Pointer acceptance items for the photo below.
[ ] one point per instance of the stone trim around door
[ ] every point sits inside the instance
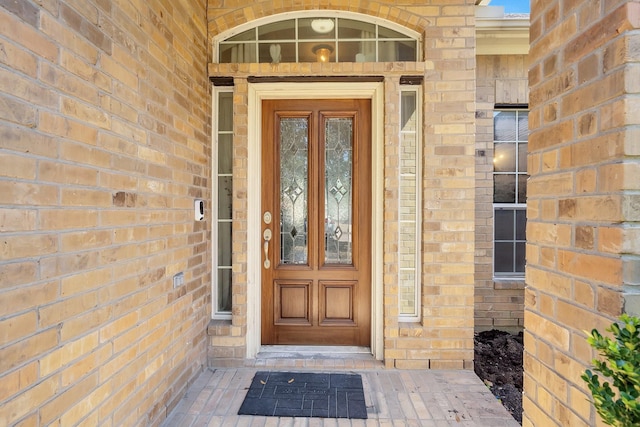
(313, 90)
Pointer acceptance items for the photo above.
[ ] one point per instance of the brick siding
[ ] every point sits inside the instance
(501, 79)
(444, 337)
(104, 143)
(582, 229)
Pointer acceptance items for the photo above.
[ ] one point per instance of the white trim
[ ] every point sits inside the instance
(500, 34)
(318, 90)
(502, 41)
(215, 106)
(506, 36)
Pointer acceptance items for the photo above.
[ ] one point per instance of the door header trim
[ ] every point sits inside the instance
(311, 79)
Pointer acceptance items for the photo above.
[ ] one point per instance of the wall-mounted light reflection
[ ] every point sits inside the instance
(323, 52)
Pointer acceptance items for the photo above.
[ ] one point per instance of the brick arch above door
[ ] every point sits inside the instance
(416, 17)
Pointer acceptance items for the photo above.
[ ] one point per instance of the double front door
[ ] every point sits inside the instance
(316, 222)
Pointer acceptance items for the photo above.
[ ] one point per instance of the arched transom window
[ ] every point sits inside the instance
(322, 37)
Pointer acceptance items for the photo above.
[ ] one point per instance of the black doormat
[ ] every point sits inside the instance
(300, 394)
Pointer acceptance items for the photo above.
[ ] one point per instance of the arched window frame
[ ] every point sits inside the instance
(409, 35)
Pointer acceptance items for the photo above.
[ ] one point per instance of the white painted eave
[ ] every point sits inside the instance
(498, 33)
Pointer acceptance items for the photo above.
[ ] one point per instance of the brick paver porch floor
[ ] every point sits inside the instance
(412, 398)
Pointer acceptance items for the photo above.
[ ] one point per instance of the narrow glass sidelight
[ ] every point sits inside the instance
(294, 190)
(338, 191)
(409, 202)
(222, 217)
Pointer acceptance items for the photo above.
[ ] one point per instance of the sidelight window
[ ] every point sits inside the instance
(409, 204)
(223, 195)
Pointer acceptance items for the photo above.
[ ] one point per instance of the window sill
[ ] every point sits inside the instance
(219, 327)
(508, 283)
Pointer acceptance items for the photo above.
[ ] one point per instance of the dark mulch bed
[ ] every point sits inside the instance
(498, 362)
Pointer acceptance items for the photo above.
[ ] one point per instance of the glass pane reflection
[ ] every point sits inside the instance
(316, 28)
(277, 52)
(504, 159)
(282, 30)
(504, 257)
(225, 153)
(224, 289)
(225, 197)
(521, 224)
(350, 29)
(523, 125)
(522, 157)
(504, 189)
(522, 189)
(224, 243)
(504, 225)
(520, 257)
(389, 51)
(225, 111)
(504, 126)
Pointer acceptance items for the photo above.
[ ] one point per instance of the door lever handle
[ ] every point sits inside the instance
(266, 234)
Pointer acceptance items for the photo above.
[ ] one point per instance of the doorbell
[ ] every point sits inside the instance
(198, 210)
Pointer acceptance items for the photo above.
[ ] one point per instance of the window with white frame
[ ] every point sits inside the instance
(314, 37)
(510, 134)
(223, 196)
(410, 153)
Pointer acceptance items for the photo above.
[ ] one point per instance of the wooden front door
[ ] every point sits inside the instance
(316, 222)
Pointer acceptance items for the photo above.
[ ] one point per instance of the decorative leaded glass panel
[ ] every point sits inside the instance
(294, 165)
(338, 195)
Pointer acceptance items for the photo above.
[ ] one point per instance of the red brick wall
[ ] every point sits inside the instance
(104, 143)
(582, 234)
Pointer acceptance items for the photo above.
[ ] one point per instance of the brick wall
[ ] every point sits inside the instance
(104, 143)
(444, 336)
(582, 252)
(501, 79)
(448, 191)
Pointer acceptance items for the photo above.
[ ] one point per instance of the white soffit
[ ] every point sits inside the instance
(498, 33)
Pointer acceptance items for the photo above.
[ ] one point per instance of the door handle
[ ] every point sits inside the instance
(266, 234)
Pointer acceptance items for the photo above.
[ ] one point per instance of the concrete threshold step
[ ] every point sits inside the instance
(313, 352)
